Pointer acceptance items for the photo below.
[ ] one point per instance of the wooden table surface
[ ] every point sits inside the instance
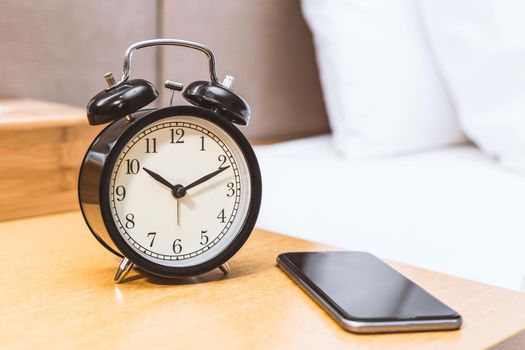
(28, 114)
(57, 292)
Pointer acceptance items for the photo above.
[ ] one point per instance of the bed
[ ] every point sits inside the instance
(450, 210)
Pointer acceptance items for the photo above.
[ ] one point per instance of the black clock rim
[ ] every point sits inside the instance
(254, 203)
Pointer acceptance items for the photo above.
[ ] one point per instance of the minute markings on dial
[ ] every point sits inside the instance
(214, 238)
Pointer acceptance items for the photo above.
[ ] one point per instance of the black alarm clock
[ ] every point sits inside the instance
(176, 190)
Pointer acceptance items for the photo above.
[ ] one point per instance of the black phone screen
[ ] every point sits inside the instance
(361, 287)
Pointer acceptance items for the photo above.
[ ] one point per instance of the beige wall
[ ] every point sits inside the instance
(58, 50)
(266, 45)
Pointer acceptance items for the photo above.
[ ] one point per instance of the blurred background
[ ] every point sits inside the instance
(59, 51)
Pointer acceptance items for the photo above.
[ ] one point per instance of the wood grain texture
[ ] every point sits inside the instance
(16, 114)
(57, 292)
(41, 147)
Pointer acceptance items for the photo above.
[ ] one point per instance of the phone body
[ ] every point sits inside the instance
(365, 295)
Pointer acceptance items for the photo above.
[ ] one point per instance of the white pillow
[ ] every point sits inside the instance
(382, 91)
(480, 47)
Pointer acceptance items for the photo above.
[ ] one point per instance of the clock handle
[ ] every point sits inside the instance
(157, 42)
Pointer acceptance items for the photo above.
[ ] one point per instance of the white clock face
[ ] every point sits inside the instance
(180, 191)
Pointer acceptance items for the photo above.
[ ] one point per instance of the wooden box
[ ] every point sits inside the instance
(41, 148)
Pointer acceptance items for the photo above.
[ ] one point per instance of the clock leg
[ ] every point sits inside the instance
(123, 269)
(225, 268)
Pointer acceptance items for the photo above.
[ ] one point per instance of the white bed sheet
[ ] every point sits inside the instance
(450, 210)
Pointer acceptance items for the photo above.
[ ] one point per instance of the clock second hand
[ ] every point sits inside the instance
(178, 212)
(179, 191)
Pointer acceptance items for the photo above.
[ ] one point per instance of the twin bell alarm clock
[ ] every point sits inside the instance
(174, 190)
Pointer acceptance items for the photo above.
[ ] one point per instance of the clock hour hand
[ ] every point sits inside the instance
(206, 178)
(159, 178)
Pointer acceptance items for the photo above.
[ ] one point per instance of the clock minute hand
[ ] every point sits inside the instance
(159, 178)
(206, 178)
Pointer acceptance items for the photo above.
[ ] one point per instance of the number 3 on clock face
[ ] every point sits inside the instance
(180, 191)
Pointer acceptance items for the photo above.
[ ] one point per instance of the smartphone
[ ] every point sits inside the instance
(365, 295)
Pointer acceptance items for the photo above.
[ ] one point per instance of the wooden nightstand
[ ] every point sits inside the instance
(41, 147)
(57, 292)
